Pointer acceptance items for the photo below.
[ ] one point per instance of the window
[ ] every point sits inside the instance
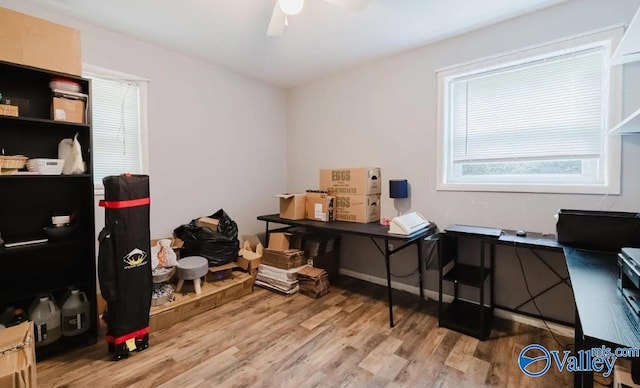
(532, 121)
(118, 108)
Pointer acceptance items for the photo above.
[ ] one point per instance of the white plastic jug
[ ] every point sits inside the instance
(75, 313)
(46, 321)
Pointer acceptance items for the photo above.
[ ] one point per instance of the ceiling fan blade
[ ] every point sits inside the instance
(356, 5)
(277, 23)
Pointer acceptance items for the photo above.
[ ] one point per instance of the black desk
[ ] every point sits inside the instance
(602, 315)
(371, 230)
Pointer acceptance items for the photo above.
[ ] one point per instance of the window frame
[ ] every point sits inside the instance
(611, 159)
(89, 70)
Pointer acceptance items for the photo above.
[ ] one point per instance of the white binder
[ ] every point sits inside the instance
(408, 224)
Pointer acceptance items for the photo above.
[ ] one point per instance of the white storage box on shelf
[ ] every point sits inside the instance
(46, 166)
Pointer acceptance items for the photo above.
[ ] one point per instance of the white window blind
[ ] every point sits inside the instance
(548, 109)
(537, 117)
(116, 128)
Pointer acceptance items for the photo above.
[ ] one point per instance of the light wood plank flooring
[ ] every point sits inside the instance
(342, 339)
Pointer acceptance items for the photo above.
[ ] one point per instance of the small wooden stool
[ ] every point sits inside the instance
(192, 268)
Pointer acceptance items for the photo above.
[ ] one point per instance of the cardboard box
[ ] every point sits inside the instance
(357, 208)
(319, 206)
(284, 260)
(249, 264)
(313, 282)
(39, 43)
(8, 110)
(284, 241)
(65, 109)
(250, 256)
(17, 356)
(213, 295)
(220, 272)
(622, 374)
(291, 206)
(360, 181)
(208, 222)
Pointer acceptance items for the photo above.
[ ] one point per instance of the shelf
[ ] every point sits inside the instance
(39, 246)
(628, 126)
(76, 176)
(89, 337)
(28, 202)
(24, 299)
(467, 274)
(45, 122)
(629, 48)
(468, 318)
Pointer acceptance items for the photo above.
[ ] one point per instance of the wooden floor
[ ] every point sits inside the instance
(342, 339)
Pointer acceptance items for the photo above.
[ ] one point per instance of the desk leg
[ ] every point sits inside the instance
(419, 242)
(581, 379)
(387, 259)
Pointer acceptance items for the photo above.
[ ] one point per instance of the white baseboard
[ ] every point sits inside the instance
(535, 322)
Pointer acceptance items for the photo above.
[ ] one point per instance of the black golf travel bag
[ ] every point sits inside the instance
(124, 263)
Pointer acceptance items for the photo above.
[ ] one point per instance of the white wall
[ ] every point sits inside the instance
(216, 139)
(384, 114)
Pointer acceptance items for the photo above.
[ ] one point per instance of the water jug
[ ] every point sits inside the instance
(46, 321)
(75, 314)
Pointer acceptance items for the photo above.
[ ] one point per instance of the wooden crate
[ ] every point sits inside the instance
(213, 295)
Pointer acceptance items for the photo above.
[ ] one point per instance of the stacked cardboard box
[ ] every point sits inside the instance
(281, 280)
(357, 192)
(313, 282)
(279, 263)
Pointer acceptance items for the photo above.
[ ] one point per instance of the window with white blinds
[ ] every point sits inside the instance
(535, 120)
(117, 120)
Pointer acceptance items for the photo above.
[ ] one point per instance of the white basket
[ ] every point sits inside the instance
(46, 166)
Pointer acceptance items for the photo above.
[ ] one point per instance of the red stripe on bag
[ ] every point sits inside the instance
(124, 338)
(124, 204)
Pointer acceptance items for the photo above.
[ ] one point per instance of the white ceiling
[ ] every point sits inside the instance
(322, 39)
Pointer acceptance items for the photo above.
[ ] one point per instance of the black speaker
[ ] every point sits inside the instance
(398, 188)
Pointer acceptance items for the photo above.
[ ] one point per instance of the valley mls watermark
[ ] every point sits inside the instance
(535, 360)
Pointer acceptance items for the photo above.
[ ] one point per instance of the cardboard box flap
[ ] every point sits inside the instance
(17, 356)
(223, 267)
(285, 195)
(15, 337)
(311, 272)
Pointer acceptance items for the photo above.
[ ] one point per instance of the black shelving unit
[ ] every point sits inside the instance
(28, 201)
(471, 316)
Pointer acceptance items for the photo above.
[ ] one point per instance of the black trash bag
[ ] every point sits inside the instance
(219, 247)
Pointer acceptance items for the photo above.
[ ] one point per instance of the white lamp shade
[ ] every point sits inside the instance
(291, 7)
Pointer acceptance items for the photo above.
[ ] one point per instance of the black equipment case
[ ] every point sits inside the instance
(606, 231)
(124, 263)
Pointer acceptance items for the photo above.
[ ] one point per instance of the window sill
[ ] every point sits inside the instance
(532, 188)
